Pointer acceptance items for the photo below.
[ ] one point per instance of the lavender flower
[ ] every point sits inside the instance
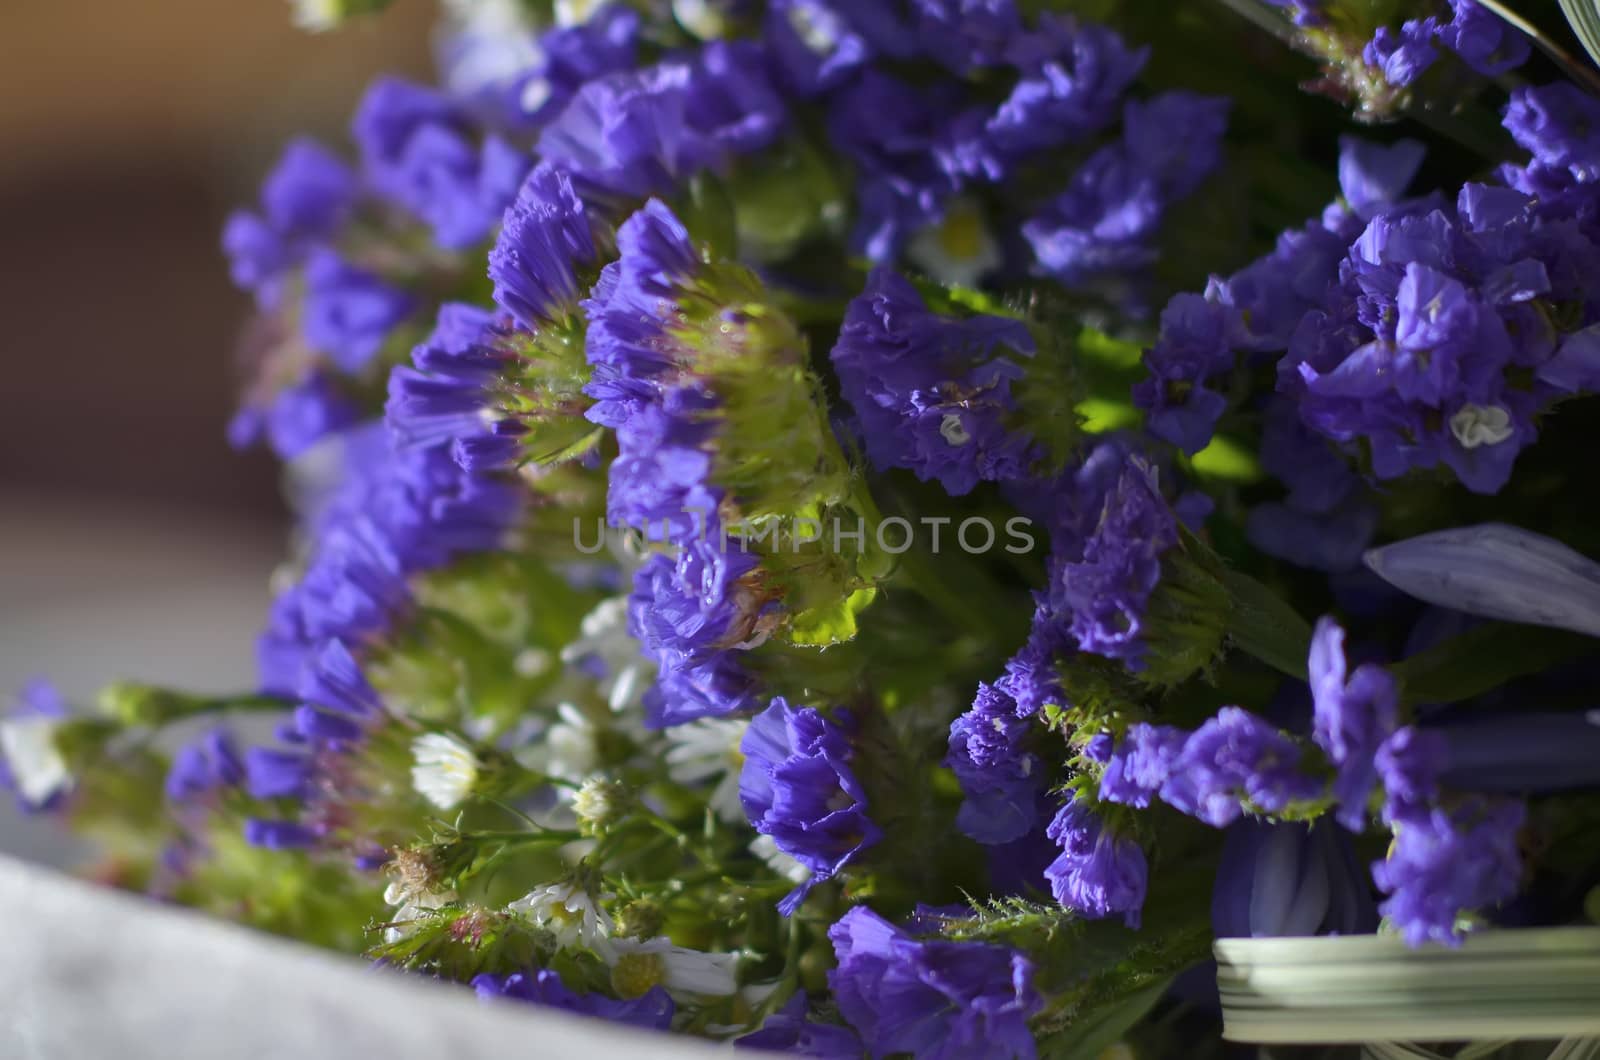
(798, 787)
(938, 1000)
(1353, 714)
(1098, 872)
(932, 392)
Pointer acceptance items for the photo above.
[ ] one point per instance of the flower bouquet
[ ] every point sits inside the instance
(879, 527)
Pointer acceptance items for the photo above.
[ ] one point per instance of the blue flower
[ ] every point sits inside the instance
(652, 1010)
(789, 1031)
(572, 56)
(1000, 778)
(1485, 41)
(1403, 55)
(1557, 123)
(296, 417)
(1099, 873)
(798, 787)
(1353, 713)
(271, 774)
(1233, 757)
(816, 44)
(1072, 75)
(309, 193)
(278, 835)
(1444, 862)
(1141, 764)
(1192, 348)
(349, 312)
(936, 1000)
(204, 765)
(933, 393)
(545, 241)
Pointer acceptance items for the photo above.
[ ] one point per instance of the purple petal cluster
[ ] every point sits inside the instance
(1352, 714)
(932, 393)
(999, 776)
(205, 765)
(1099, 872)
(1232, 762)
(789, 1031)
(1446, 860)
(797, 786)
(349, 312)
(933, 999)
(651, 1011)
(305, 199)
(422, 151)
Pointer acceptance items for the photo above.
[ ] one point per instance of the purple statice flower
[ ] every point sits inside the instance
(652, 1010)
(937, 1000)
(817, 45)
(932, 393)
(422, 151)
(545, 242)
(1328, 516)
(1352, 714)
(1484, 41)
(963, 35)
(1193, 348)
(349, 312)
(1104, 225)
(607, 42)
(789, 1031)
(296, 417)
(1000, 778)
(310, 193)
(1099, 872)
(1234, 758)
(892, 132)
(691, 614)
(274, 774)
(1072, 75)
(445, 397)
(204, 765)
(1557, 124)
(1444, 862)
(1278, 880)
(1409, 764)
(1404, 54)
(1103, 587)
(278, 835)
(637, 133)
(1141, 764)
(305, 199)
(798, 787)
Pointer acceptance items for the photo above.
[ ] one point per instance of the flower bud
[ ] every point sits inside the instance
(641, 919)
(600, 803)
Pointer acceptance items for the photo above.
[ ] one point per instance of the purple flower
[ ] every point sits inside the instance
(309, 193)
(1557, 123)
(271, 774)
(789, 1031)
(278, 835)
(203, 766)
(1405, 54)
(572, 56)
(257, 255)
(816, 43)
(446, 396)
(1098, 872)
(936, 1000)
(1409, 764)
(1353, 713)
(546, 239)
(999, 777)
(298, 416)
(1496, 571)
(1289, 880)
(1073, 74)
(349, 313)
(797, 786)
(1141, 764)
(933, 393)
(1232, 758)
(652, 1010)
(1484, 40)
(1446, 862)
(1193, 348)
(32, 766)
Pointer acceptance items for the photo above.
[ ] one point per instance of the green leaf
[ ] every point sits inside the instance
(1263, 625)
(1087, 1037)
(1483, 658)
(1102, 414)
(1228, 460)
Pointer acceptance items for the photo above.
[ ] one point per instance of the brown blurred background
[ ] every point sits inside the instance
(133, 541)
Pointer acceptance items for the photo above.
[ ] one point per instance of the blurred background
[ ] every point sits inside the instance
(133, 542)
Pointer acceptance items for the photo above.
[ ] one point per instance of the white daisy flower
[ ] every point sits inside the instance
(957, 250)
(570, 913)
(38, 770)
(706, 750)
(766, 848)
(637, 966)
(443, 770)
(605, 643)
